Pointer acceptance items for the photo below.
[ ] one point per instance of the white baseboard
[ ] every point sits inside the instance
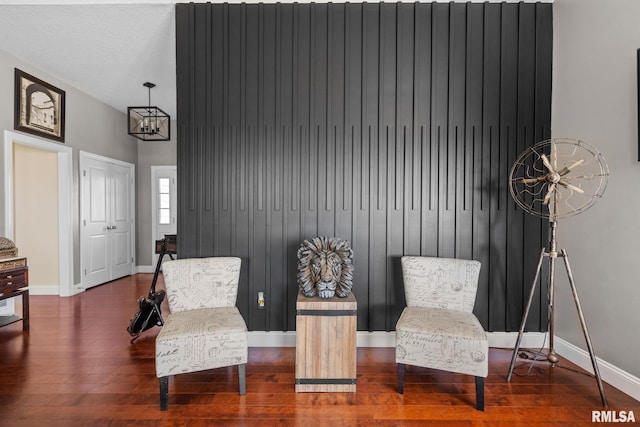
(609, 373)
(508, 339)
(288, 339)
(53, 290)
(613, 375)
(387, 339)
(272, 339)
(44, 290)
(145, 269)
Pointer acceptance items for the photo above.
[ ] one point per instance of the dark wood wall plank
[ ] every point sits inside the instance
(390, 125)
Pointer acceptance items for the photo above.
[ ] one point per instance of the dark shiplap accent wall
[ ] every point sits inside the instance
(390, 125)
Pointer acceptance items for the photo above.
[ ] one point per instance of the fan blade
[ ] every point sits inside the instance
(578, 177)
(554, 155)
(531, 180)
(565, 170)
(545, 160)
(552, 188)
(571, 187)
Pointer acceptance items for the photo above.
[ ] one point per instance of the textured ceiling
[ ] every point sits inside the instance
(105, 50)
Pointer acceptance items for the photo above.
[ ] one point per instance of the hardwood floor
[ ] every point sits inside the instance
(76, 367)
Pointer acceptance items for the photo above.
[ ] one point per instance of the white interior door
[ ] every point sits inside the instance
(121, 221)
(107, 219)
(164, 203)
(95, 224)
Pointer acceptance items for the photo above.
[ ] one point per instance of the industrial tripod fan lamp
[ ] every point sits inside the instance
(557, 179)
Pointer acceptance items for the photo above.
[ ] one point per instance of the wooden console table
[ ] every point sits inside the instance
(14, 281)
(326, 334)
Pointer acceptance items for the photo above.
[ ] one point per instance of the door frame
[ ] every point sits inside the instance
(65, 229)
(83, 156)
(154, 205)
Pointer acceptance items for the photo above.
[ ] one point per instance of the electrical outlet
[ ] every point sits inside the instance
(260, 300)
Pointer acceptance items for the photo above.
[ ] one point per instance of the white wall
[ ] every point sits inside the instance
(150, 154)
(90, 126)
(594, 99)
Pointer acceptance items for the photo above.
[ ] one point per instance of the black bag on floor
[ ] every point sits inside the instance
(149, 314)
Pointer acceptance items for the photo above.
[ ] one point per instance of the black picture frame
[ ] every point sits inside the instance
(39, 107)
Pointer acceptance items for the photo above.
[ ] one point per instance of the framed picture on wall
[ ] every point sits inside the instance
(39, 107)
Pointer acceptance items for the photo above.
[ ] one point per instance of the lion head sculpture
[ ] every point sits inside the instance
(325, 267)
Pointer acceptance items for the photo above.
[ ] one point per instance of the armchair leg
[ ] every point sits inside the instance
(401, 369)
(480, 393)
(242, 379)
(164, 391)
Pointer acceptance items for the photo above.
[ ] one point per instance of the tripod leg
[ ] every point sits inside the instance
(552, 356)
(160, 320)
(524, 317)
(594, 362)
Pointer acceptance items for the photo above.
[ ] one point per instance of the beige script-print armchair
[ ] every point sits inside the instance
(437, 328)
(204, 329)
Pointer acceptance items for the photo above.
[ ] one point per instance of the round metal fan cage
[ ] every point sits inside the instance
(558, 178)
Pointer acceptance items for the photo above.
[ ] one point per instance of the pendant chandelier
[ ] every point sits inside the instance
(149, 123)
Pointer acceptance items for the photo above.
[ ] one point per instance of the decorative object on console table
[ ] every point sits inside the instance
(326, 344)
(7, 248)
(39, 107)
(14, 280)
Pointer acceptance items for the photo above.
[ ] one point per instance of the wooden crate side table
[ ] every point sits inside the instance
(14, 281)
(326, 338)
